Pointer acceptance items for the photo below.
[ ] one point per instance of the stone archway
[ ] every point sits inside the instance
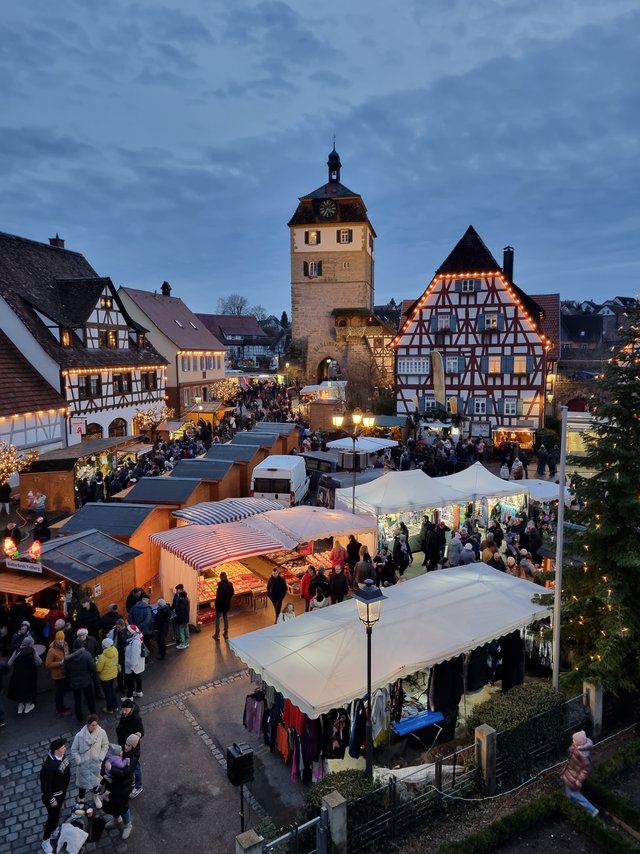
(328, 369)
(317, 357)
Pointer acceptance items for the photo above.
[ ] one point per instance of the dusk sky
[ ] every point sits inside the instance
(171, 140)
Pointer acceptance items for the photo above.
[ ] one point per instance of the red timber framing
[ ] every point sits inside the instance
(494, 353)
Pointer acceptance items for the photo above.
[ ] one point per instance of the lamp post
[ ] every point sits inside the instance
(361, 422)
(369, 602)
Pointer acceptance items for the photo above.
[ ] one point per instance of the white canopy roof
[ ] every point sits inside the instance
(478, 482)
(544, 490)
(398, 491)
(318, 660)
(304, 524)
(364, 444)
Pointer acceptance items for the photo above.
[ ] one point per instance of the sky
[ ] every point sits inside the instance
(171, 140)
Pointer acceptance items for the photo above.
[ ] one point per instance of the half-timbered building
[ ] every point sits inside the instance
(475, 344)
(72, 328)
(195, 356)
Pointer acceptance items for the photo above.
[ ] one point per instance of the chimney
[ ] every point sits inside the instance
(56, 241)
(166, 289)
(507, 263)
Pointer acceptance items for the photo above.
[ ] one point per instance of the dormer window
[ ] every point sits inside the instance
(108, 339)
(468, 286)
(65, 338)
(106, 302)
(141, 339)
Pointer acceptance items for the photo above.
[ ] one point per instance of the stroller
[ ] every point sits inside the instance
(81, 826)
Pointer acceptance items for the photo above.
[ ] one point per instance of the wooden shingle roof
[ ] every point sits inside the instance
(23, 389)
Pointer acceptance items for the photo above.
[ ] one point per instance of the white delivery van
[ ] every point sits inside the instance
(281, 477)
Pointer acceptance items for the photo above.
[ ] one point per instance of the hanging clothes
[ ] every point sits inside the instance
(512, 647)
(358, 729)
(479, 668)
(282, 741)
(336, 732)
(254, 707)
(380, 715)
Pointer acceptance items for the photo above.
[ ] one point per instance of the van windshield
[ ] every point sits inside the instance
(278, 485)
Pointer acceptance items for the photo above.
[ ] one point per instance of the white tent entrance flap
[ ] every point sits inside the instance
(318, 660)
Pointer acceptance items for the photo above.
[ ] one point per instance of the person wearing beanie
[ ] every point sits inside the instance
(23, 631)
(23, 684)
(577, 770)
(141, 615)
(90, 643)
(134, 662)
(161, 623)
(55, 775)
(88, 617)
(53, 662)
(454, 549)
(130, 724)
(109, 619)
(118, 777)
(467, 555)
(107, 669)
(80, 669)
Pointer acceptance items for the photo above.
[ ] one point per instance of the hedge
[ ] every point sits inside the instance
(352, 785)
(516, 707)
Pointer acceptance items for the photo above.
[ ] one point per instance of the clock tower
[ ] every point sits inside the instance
(332, 262)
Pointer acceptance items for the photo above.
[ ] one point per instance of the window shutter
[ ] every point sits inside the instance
(460, 364)
(453, 322)
(489, 406)
(433, 323)
(500, 406)
(519, 407)
(460, 405)
(350, 235)
(477, 285)
(305, 268)
(530, 363)
(470, 405)
(319, 268)
(481, 323)
(306, 237)
(484, 364)
(458, 287)
(338, 235)
(501, 322)
(507, 364)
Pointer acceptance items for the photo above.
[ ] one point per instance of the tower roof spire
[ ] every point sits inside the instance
(334, 164)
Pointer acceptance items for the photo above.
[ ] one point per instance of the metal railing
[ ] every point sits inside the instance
(312, 837)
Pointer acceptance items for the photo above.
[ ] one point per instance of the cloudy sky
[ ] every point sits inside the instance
(170, 140)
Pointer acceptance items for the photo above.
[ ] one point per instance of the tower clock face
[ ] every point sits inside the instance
(328, 209)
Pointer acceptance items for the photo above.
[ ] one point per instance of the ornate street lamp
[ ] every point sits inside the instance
(361, 422)
(369, 602)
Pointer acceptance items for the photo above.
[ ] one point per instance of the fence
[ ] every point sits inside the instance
(312, 837)
(409, 801)
(529, 748)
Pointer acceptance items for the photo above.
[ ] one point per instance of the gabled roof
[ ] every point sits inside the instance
(469, 255)
(86, 555)
(202, 469)
(585, 328)
(23, 389)
(550, 322)
(175, 320)
(36, 278)
(222, 325)
(112, 518)
(162, 490)
(241, 453)
(250, 437)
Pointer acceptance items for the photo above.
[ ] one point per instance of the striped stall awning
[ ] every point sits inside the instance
(206, 546)
(227, 510)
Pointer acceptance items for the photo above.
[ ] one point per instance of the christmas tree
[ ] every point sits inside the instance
(601, 585)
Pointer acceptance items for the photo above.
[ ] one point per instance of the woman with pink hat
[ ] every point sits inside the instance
(577, 769)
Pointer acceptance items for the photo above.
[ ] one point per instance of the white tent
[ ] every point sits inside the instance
(318, 660)
(364, 444)
(304, 524)
(400, 491)
(478, 482)
(544, 490)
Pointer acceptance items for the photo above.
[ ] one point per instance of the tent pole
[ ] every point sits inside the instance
(557, 599)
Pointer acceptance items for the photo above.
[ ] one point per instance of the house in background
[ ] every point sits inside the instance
(246, 342)
(475, 344)
(195, 355)
(71, 327)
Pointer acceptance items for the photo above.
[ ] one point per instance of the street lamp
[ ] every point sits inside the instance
(369, 601)
(361, 421)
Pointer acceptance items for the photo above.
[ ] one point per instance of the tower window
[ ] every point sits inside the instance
(345, 235)
(312, 268)
(312, 238)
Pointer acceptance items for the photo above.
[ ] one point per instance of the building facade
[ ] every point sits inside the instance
(194, 355)
(70, 325)
(474, 344)
(246, 342)
(332, 251)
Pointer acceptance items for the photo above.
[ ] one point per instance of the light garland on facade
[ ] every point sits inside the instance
(62, 409)
(111, 369)
(12, 460)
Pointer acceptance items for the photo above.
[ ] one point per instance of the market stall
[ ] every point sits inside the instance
(227, 510)
(249, 550)
(245, 458)
(221, 477)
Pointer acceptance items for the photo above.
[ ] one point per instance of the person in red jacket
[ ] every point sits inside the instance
(305, 587)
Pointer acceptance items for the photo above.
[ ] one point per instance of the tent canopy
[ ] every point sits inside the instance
(226, 510)
(544, 490)
(305, 524)
(364, 444)
(478, 482)
(399, 491)
(318, 660)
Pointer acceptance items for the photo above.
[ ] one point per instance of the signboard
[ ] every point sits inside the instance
(78, 425)
(97, 591)
(24, 565)
(481, 428)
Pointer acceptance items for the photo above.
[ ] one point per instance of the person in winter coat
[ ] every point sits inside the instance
(353, 552)
(402, 556)
(23, 684)
(534, 541)
(80, 668)
(224, 595)
(88, 749)
(305, 586)
(467, 555)
(182, 609)
(338, 585)
(289, 613)
(319, 600)
(338, 555)
(454, 552)
(88, 617)
(13, 532)
(109, 619)
(23, 632)
(133, 663)
(320, 582)
(141, 615)
(55, 775)
(5, 497)
(107, 668)
(54, 660)
(161, 623)
(130, 723)
(276, 591)
(41, 530)
(118, 783)
(577, 769)
(119, 634)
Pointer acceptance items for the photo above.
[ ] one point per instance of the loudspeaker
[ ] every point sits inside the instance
(240, 763)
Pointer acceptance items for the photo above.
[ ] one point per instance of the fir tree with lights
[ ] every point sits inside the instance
(13, 460)
(601, 584)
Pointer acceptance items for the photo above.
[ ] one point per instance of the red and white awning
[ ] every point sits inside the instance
(206, 546)
(226, 510)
